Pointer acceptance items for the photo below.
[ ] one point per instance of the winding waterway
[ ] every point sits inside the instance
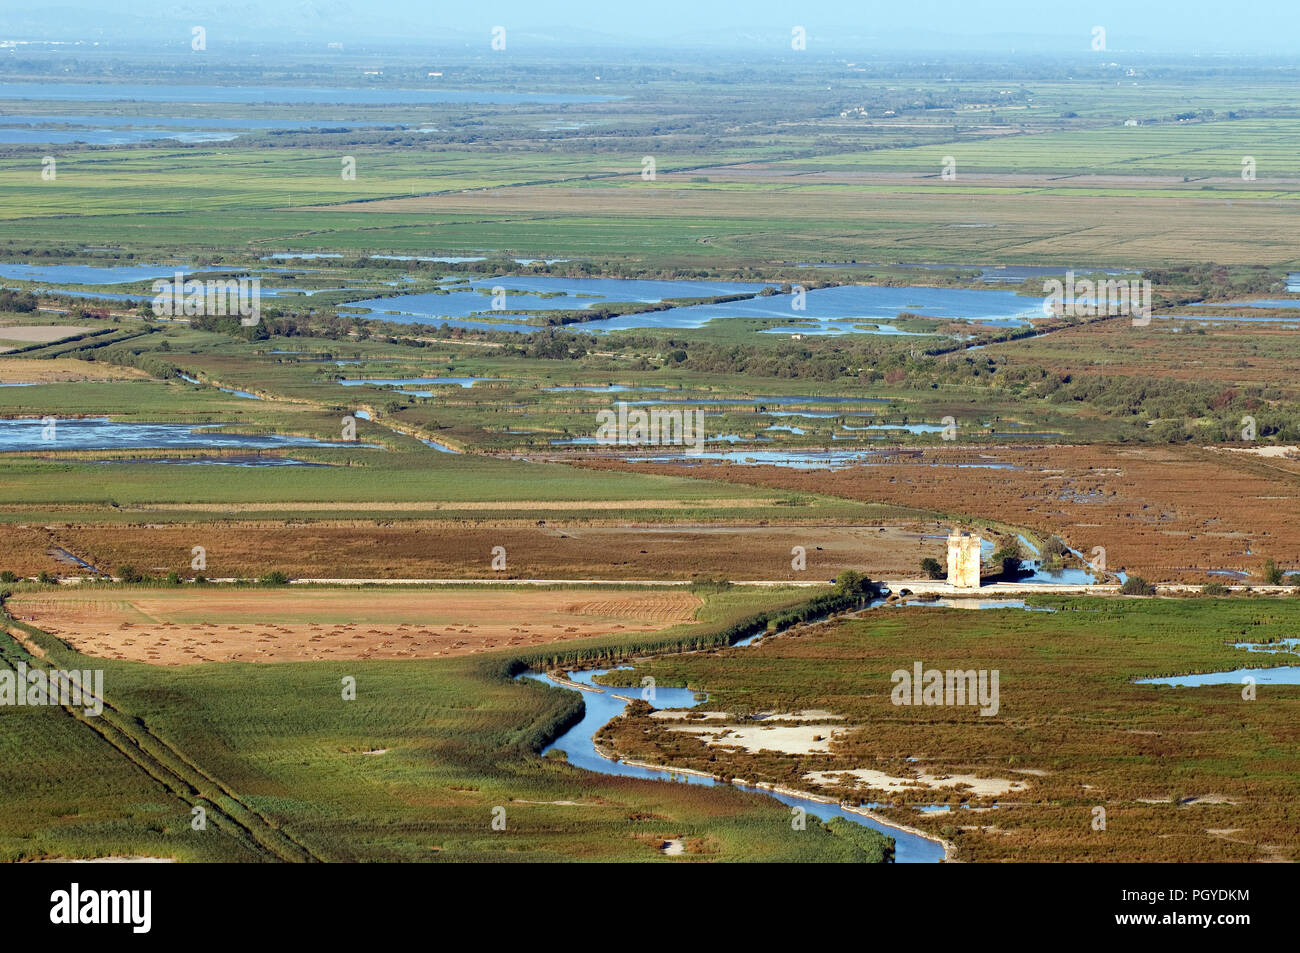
(602, 706)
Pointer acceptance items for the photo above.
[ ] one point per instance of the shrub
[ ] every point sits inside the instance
(274, 578)
(129, 574)
(8, 576)
(853, 583)
(1055, 546)
(1214, 589)
(1137, 586)
(46, 578)
(1008, 558)
(1271, 574)
(930, 566)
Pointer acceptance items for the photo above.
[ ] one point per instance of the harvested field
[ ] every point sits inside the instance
(444, 549)
(1167, 513)
(175, 627)
(39, 333)
(1164, 224)
(14, 370)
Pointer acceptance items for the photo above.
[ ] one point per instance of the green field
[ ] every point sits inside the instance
(278, 760)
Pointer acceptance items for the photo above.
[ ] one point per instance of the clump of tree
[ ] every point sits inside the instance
(17, 301)
(1009, 559)
(850, 582)
(273, 578)
(931, 567)
(1271, 573)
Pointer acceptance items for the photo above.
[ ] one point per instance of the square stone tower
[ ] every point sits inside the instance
(963, 560)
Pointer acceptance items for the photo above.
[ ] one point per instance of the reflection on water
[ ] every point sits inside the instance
(414, 381)
(1282, 675)
(965, 604)
(89, 274)
(100, 433)
(836, 310)
(1282, 646)
(229, 390)
(1279, 675)
(808, 459)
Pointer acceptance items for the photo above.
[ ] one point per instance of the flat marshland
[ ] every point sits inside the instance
(1183, 774)
(842, 266)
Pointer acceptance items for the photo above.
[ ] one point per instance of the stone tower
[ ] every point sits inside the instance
(963, 560)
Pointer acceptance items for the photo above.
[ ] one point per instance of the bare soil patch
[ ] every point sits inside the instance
(188, 626)
(39, 333)
(17, 370)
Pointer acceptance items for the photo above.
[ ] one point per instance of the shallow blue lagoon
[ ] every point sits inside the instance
(1281, 675)
(89, 274)
(369, 95)
(100, 433)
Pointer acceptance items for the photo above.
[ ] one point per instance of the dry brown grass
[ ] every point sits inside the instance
(427, 549)
(59, 369)
(1166, 513)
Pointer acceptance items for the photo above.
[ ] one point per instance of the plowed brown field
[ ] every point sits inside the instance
(175, 627)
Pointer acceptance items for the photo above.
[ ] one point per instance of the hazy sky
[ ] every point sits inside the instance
(1163, 26)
